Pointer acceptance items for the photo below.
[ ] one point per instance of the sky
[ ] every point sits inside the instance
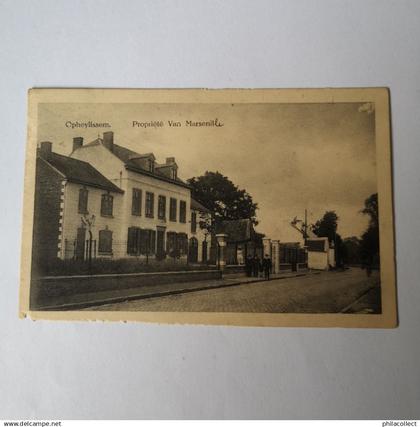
(289, 157)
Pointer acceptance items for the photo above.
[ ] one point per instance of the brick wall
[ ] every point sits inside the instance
(48, 185)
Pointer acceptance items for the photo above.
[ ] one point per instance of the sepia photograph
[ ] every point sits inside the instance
(200, 206)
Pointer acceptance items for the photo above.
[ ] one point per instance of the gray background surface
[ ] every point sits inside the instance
(116, 370)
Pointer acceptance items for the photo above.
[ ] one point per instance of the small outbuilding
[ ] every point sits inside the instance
(321, 253)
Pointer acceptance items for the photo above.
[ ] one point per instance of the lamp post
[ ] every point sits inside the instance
(221, 243)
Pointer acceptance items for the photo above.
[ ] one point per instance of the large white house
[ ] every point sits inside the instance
(156, 215)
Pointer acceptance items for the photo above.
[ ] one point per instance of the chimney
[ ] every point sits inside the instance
(77, 142)
(170, 160)
(45, 149)
(108, 140)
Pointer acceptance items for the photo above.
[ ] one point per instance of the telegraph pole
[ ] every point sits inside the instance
(303, 229)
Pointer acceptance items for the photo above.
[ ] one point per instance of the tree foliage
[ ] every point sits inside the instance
(223, 198)
(327, 226)
(369, 245)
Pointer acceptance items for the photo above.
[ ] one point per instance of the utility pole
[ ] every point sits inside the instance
(303, 229)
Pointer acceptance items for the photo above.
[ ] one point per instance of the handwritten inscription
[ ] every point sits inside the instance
(177, 124)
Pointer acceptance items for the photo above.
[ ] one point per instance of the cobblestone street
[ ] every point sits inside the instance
(326, 292)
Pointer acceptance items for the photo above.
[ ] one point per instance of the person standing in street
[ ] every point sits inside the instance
(248, 266)
(255, 266)
(266, 264)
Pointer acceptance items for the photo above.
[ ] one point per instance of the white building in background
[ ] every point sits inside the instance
(321, 254)
(157, 216)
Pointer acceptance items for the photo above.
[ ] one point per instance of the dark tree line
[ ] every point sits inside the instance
(353, 250)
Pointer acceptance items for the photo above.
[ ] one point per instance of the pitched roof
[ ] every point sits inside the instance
(80, 172)
(129, 157)
(198, 206)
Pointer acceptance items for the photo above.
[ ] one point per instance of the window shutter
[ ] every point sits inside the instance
(83, 200)
(182, 211)
(193, 222)
(136, 202)
(152, 241)
(105, 241)
(131, 241)
(143, 240)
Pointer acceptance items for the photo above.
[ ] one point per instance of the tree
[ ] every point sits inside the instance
(327, 226)
(369, 245)
(371, 209)
(351, 246)
(223, 198)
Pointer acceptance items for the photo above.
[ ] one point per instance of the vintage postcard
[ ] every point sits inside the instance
(232, 207)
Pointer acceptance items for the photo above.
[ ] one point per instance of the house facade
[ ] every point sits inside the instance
(75, 209)
(157, 217)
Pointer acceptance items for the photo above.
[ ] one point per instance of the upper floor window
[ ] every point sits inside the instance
(172, 209)
(173, 173)
(193, 222)
(107, 204)
(105, 242)
(150, 201)
(162, 207)
(183, 211)
(136, 202)
(151, 165)
(83, 200)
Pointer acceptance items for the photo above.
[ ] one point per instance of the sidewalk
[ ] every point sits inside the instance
(90, 299)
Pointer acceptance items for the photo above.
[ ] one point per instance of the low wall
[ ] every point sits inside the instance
(288, 266)
(234, 269)
(45, 289)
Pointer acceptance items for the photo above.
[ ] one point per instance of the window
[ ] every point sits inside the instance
(132, 240)
(171, 244)
(141, 241)
(172, 209)
(151, 165)
(136, 202)
(182, 244)
(150, 201)
(162, 207)
(182, 211)
(105, 242)
(193, 222)
(106, 204)
(83, 200)
(173, 173)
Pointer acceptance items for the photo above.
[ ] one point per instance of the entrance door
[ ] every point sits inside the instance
(160, 243)
(204, 256)
(193, 250)
(80, 244)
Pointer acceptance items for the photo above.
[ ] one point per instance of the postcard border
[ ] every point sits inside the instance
(378, 96)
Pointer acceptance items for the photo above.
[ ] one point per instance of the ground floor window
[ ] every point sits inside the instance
(176, 244)
(105, 242)
(141, 241)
